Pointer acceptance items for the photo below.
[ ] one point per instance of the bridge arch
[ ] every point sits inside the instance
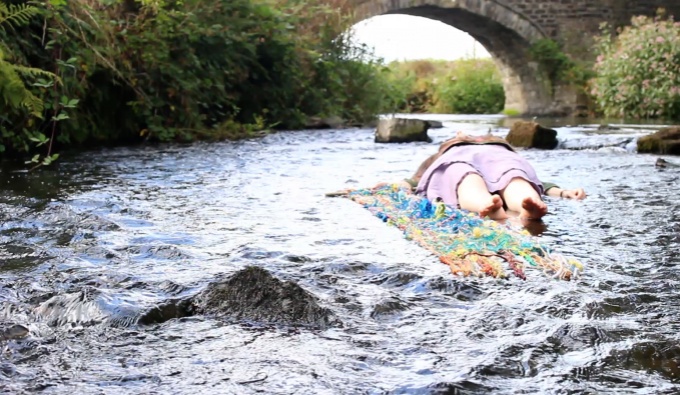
(504, 32)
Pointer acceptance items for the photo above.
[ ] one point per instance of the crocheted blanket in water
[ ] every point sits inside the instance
(469, 244)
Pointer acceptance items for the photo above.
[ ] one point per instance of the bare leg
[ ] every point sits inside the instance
(521, 197)
(474, 196)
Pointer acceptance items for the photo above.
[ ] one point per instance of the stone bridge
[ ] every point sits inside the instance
(507, 29)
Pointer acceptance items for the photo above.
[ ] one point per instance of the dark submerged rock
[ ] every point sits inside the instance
(253, 294)
(13, 332)
(607, 128)
(332, 122)
(431, 124)
(389, 307)
(532, 135)
(666, 142)
(660, 356)
(434, 124)
(663, 163)
(168, 311)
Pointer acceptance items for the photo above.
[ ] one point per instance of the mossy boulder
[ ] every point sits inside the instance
(254, 295)
(666, 142)
(401, 130)
(532, 135)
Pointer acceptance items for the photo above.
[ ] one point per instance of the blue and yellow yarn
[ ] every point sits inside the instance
(467, 243)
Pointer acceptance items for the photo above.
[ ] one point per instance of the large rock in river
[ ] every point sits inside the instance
(532, 135)
(253, 294)
(666, 141)
(401, 130)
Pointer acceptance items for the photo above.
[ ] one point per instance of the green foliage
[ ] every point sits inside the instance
(465, 86)
(16, 14)
(473, 87)
(349, 83)
(21, 105)
(511, 112)
(170, 70)
(556, 64)
(13, 91)
(638, 72)
(29, 93)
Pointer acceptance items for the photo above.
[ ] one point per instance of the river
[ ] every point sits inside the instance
(89, 245)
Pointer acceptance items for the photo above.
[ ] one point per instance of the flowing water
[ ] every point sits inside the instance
(88, 246)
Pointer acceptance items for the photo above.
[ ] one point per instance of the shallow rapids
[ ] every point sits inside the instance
(89, 246)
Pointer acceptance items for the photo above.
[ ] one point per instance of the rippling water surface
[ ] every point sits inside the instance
(90, 245)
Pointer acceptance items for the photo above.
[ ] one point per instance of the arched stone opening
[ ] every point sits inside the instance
(505, 33)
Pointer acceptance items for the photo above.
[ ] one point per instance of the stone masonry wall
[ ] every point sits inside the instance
(508, 28)
(575, 23)
(550, 14)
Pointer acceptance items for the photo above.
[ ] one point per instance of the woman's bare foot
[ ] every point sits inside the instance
(533, 208)
(493, 208)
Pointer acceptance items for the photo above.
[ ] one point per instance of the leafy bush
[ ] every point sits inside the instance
(126, 71)
(178, 70)
(638, 72)
(26, 93)
(470, 86)
(556, 64)
(14, 93)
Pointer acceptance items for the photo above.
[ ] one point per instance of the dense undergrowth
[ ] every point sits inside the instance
(121, 71)
(83, 73)
(467, 86)
(638, 69)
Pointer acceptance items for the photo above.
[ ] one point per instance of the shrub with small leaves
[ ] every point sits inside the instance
(638, 71)
(473, 87)
(463, 86)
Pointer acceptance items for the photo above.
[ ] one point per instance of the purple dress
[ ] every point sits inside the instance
(496, 164)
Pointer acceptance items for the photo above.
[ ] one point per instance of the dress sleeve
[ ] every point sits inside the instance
(548, 185)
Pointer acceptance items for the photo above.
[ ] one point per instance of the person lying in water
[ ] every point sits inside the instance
(486, 175)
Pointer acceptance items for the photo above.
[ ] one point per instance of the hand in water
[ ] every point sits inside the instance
(577, 194)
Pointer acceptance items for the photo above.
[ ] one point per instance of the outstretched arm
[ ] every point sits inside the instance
(555, 191)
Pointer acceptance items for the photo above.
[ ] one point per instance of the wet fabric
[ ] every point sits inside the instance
(467, 243)
(496, 164)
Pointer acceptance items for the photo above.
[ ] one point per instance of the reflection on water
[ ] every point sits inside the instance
(88, 247)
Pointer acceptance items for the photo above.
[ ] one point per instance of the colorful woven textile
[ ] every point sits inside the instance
(469, 244)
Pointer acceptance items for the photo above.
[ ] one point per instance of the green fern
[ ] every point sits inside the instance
(13, 91)
(16, 15)
(34, 72)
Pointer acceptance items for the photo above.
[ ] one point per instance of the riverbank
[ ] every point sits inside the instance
(125, 72)
(83, 74)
